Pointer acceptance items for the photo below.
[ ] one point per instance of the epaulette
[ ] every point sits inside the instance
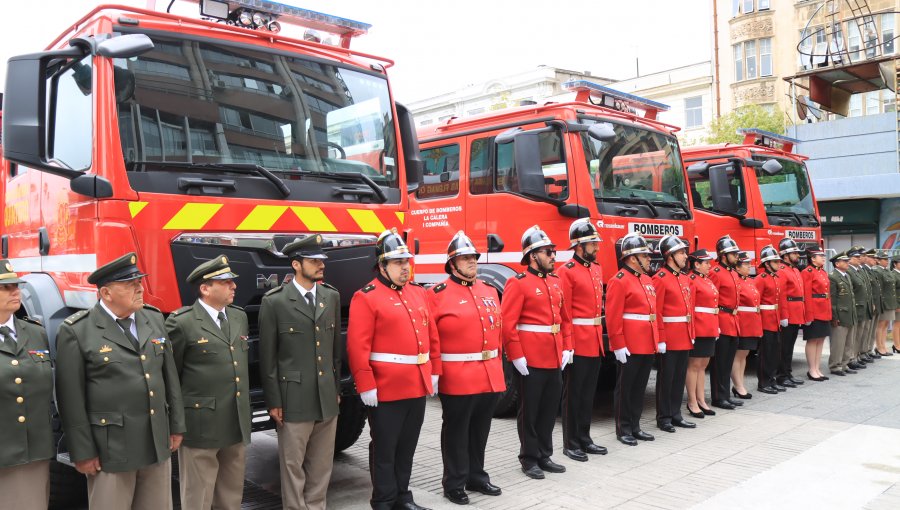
(77, 316)
(439, 287)
(417, 284)
(520, 276)
(368, 288)
(717, 269)
(328, 286)
(181, 310)
(236, 307)
(809, 269)
(276, 289)
(620, 275)
(693, 277)
(661, 274)
(151, 307)
(32, 320)
(553, 275)
(570, 264)
(764, 275)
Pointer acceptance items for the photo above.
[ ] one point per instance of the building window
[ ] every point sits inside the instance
(890, 103)
(750, 57)
(854, 41)
(871, 38)
(765, 57)
(693, 112)
(735, 8)
(856, 105)
(738, 63)
(887, 33)
(872, 103)
(820, 35)
(763, 5)
(748, 6)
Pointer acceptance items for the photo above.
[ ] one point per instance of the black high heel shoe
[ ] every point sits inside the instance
(820, 379)
(896, 351)
(707, 411)
(699, 414)
(745, 396)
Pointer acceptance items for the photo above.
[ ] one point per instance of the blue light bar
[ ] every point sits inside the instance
(747, 132)
(610, 97)
(305, 17)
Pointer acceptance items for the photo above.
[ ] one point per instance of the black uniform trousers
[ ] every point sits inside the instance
(579, 386)
(464, 434)
(539, 394)
(670, 385)
(787, 339)
(628, 401)
(720, 368)
(394, 427)
(769, 355)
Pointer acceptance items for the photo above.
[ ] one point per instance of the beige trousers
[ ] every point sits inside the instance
(306, 455)
(27, 486)
(839, 337)
(148, 488)
(211, 478)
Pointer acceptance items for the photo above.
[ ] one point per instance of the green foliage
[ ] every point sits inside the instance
(724, 129)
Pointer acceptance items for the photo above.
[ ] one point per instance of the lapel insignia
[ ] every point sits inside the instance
(537, 292)
(159, 341)
(202, 341)
(462, 301)
(42, 353)
(105, 349)
(321, 305)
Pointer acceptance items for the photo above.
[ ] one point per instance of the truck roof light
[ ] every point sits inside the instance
(753, 136)
(614, 99)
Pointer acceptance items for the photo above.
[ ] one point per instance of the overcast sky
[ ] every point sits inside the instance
(442, 46)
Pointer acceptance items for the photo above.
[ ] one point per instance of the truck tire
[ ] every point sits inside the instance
(508, 403)
(350, 422)
(68, 488)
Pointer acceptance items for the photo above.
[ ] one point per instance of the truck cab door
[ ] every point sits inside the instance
(721, 204)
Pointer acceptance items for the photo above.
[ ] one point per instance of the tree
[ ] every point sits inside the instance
(724, 129)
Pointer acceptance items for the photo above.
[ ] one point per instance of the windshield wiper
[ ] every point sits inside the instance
(634, 200)
(352, 176)
(788, 214)
(246, 168)
(674, 203)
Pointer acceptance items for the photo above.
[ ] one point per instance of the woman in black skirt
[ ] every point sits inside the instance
(817, 306)
(705, 299)
(749, 326)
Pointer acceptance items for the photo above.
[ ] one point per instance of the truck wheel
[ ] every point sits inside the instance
(350, 422)
(508, 403)
(68, 487)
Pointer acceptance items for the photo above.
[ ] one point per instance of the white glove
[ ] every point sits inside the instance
(622, 355)
(661, 347)
(567, 357)
(693, 341)
(521, 365)
(370, 398)
(808, 323)
(434, 384)
(783, 322)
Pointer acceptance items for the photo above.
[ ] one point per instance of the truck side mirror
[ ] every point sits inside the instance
(410, 145)
(602, 132)
(720, 189)
(772, 167)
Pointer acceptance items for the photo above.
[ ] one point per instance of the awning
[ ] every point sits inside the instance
(850, 216)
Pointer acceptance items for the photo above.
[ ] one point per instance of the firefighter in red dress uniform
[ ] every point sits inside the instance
(774, 313)
(796, 313)
(727, 283)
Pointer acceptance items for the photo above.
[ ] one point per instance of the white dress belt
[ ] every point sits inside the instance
(538, 328)
(705, 309)
(402, 359)
(752, 309)
(591, 321)
(471, 356)
(768, 307)
(639, 317)
(681, 318)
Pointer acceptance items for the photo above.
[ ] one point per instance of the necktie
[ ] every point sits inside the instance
(223, 323)
(7, 336)
(125, 324)
(311, 301)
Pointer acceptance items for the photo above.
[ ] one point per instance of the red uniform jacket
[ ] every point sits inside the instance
(749, 323)
(727, 283)
(465, 318)
(705, 295)
(631, 292)
(816, 294)
(793, 291)
(535, 298)
(582, 285)
(673, 299)
(388, 319)
(770, 294)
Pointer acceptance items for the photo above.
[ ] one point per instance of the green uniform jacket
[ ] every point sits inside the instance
(117, 403)
(843, 307)
(300, 352)
(896, 275)
(214, 376)
(26, 390)
(875, 291)
(862, 294)
(888, 288)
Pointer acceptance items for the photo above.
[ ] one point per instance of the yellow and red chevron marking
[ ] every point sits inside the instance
(212, 216)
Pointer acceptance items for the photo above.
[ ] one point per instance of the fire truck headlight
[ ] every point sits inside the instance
(245, 18)
(259, 20)
(274, 27)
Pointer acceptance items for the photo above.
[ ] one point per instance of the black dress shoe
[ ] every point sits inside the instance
(735, 403)
(699, 414)
(722, 404)
(409, 505)
(850, 371)
(594, 449)
(707, 411)
(779, 388)
(627, 439)
(768, 390)
(457, 496)
(643, 436)
(861, 365)
(838, 372)
(533, 472)
(684, 424)
(855, 366)
(744, 396)
(578, 455)
(488, 489)
(875, 355)
(548, 465)
(787, 383)
(794, 380)
(666, 427)
(865, 358)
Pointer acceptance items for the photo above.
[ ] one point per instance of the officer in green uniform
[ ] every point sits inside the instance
(843, 315)
(300, 363)
(888, 302)
(862, 296)
(895, 328)
(118, 393)
(209, 340)
(26, 389)
(867, 348)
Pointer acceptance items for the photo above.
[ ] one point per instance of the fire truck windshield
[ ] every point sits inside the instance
(788, 191)
(638, 165)
(210, 105)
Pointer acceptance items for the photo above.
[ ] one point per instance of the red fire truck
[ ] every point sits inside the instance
(181, 138)
(758, 191)
(497, 174)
